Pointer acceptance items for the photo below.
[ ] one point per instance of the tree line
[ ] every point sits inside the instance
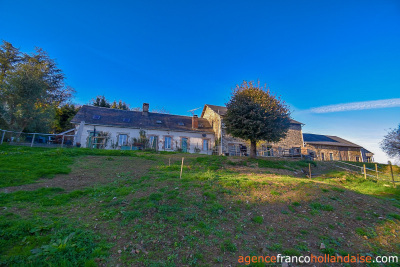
(34, 96)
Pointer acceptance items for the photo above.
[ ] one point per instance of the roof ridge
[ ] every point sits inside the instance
(115, 109)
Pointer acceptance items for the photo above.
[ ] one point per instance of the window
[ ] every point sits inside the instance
(123, 139)
(181, 124)
(167, 142)
(205, 144)
(358, 159)
(153, 142)
(322, 156)
(331, 156)
(126, 120)
(96, 117)
(266, 151)
(159, 122)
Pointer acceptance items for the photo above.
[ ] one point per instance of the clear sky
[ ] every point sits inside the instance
(183, 54)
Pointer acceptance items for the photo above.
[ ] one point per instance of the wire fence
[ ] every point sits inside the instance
(36, 139)
(377, 173)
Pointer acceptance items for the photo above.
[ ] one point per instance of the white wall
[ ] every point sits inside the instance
(195, 139)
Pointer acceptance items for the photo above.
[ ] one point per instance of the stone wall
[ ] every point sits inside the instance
(294, 139)
(322, 152)
(294, 136)
(215, 121)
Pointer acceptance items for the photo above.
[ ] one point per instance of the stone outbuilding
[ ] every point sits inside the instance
(327, 147)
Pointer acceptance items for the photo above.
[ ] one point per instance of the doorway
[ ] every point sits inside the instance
(184, 145)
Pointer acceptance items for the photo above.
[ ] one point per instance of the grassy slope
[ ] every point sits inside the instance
(219, 210)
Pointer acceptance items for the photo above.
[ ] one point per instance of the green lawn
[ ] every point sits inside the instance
(144, 215)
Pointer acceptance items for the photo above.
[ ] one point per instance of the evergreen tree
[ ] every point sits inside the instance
(31, 87)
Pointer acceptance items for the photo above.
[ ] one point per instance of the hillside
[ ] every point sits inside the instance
(107, 208)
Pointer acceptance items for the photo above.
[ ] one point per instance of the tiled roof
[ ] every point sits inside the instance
(222, 111)
(135, 119)
(318, 139)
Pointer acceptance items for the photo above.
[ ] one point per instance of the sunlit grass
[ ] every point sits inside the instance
(218, 210)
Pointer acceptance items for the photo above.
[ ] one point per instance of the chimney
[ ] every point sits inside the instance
(145, 111)
(195, 122)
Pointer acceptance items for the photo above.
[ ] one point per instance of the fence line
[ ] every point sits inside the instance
(36, 139)
(378, 175)
(359, 166)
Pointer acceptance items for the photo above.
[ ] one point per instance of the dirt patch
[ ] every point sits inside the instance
(90, 171)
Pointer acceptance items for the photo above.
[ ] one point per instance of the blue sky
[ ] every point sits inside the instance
(183, 54)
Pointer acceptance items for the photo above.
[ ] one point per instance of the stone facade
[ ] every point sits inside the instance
(294, 137)
(214, 119)
(229, 145)
(327, 152)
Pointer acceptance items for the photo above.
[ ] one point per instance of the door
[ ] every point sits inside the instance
(184, 145)
(91, 140)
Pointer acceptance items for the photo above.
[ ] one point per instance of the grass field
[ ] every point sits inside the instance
(65, 207)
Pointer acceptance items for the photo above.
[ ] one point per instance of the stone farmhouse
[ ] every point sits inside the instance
(164, 132)
(120, 129)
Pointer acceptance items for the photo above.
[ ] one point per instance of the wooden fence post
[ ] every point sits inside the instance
(33, 139)
(169, 162)
(365, 172)
(376, 169)
(62, 141)
(391, 171)
(309, 169)
(180, 177)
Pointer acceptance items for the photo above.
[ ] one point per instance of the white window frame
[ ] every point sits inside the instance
(165, 142)
(119, 139)
(151, 141)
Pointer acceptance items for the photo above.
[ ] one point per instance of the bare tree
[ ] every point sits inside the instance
(161, 110)
(391, 143)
